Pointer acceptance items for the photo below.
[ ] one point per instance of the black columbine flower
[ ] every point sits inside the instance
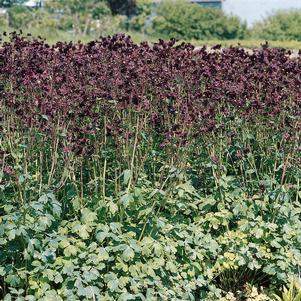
(8, 170)
(76, 84)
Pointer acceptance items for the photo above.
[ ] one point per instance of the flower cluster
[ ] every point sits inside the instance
(176, 89)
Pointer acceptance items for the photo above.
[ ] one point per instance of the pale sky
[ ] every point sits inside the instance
(254, 10)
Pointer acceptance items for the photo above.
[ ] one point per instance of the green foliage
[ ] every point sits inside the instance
(19, 16)
(10, 3)
(197, 247)
(251, 293)
(108, 25)
(43, 20)
(293, 293)
(142, 12)
(281, 26)
(122, 7)
(172, 18)
(3, 22)
(182, 20)
(78, 15)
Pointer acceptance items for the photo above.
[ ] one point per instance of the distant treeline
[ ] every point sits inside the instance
(168, 19)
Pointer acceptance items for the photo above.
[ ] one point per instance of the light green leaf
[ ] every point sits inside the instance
(125, 297)
(88, 216)
(113, 207)
(82, 231)
(49, 274)
(13, 280)
(58, 278)
(128, 254)
(170, 266)
(126, 176)
(103, 254)
(113, 285)
(64, 243)
(70, 250)
(12, 234)
(2, 271)
(7, 297)
(126, 199)
(259, 233)
(158, 250)
(43, 199)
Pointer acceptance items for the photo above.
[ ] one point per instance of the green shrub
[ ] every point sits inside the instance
(198, 248)
(19, 16)
(26, 18)
(282, 26)
(77, 16)
(3, 22)
(108, 25)
(43, 20)
(143, 11)
(176, 18)
(291, 293)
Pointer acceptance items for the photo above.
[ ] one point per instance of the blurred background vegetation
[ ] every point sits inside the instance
(146, 20)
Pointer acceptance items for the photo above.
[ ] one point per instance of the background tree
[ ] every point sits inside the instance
(79, 14)
(283, 25)
(19, 16)
(179, 19)
(122, 7)
(10, 3)
(143, 11)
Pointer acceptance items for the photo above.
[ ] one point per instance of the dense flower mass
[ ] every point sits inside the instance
(175, 88)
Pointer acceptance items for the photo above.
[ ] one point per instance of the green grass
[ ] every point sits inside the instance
(250, 43)
(53, 36)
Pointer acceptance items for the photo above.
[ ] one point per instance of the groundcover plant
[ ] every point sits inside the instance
(139, 172)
